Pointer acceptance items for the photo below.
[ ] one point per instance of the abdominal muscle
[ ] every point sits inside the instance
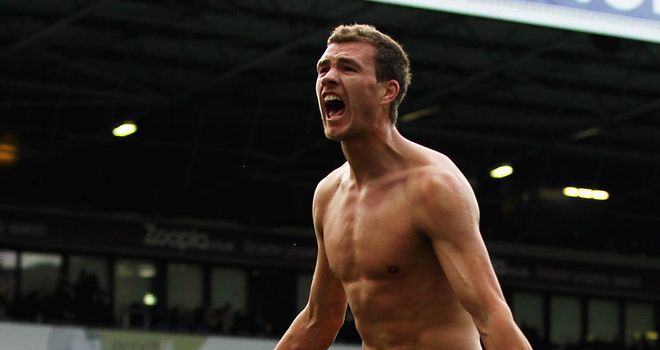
(412, 312)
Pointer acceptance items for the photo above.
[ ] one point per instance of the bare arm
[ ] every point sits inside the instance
(449, 214)
(317, 325)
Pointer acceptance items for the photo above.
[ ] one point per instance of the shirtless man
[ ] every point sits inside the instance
(397, 225)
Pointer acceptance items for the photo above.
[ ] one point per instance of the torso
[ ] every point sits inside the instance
(397, 291)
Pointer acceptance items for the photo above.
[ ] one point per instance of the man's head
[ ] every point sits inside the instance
(391, 60)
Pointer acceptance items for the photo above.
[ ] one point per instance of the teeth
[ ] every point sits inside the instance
(331, 98)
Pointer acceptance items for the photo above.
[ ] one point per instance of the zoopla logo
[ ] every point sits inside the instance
(177, 239)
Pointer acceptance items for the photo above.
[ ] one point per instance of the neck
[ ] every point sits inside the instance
(375, 154)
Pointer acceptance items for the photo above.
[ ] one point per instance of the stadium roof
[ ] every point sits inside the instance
(228, 125)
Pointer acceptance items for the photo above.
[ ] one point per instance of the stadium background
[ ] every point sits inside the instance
(200, 222)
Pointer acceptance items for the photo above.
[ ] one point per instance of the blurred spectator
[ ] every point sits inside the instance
(86, 303)
(211, 320)
(58, 306)
(226, 317)
(28, 307)
(4, 309)
(91, 303)
(240, 324)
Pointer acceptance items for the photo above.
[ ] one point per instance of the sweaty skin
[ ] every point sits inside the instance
(377, 248)
(398, 235)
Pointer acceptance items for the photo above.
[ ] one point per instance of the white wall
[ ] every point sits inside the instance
(14, 336)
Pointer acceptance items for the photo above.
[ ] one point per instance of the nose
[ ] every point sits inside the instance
(330, 77)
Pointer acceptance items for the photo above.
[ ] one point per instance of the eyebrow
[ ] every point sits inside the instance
(322, 62)
(344, 60)
(350, 61)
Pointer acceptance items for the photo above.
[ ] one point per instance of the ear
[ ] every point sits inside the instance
(390, 91)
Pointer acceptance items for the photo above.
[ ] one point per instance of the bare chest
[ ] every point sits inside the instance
(370, 235)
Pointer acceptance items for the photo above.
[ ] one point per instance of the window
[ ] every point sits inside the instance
(40, 273)
(134, 282)
(528, 312)
(603, 320)
(7, 275)
(565, 320)
(272, 293)
(639, 320)
(89, 277)
(229, 285)
(7, 281)
(88, 267)
(185, 284)
(303, 284)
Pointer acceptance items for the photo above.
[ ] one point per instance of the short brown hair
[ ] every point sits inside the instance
(391, 60)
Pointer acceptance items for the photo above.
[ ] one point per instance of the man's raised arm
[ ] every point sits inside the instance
(449, 214)
(317, 325)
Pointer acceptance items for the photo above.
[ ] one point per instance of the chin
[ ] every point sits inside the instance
(341, 134)
(333, 136)
(333, 133)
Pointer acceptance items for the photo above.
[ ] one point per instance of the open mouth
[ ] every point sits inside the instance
(334, 107)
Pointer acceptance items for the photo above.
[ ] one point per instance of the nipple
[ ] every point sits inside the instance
(393, 269)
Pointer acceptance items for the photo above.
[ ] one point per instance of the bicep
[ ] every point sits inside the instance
(468, 269)
(326, 291)
(327, 300)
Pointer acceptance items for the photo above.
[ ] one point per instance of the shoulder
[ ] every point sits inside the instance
(437, 174)
(327, 187)
(439, 190)
(329, 184)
